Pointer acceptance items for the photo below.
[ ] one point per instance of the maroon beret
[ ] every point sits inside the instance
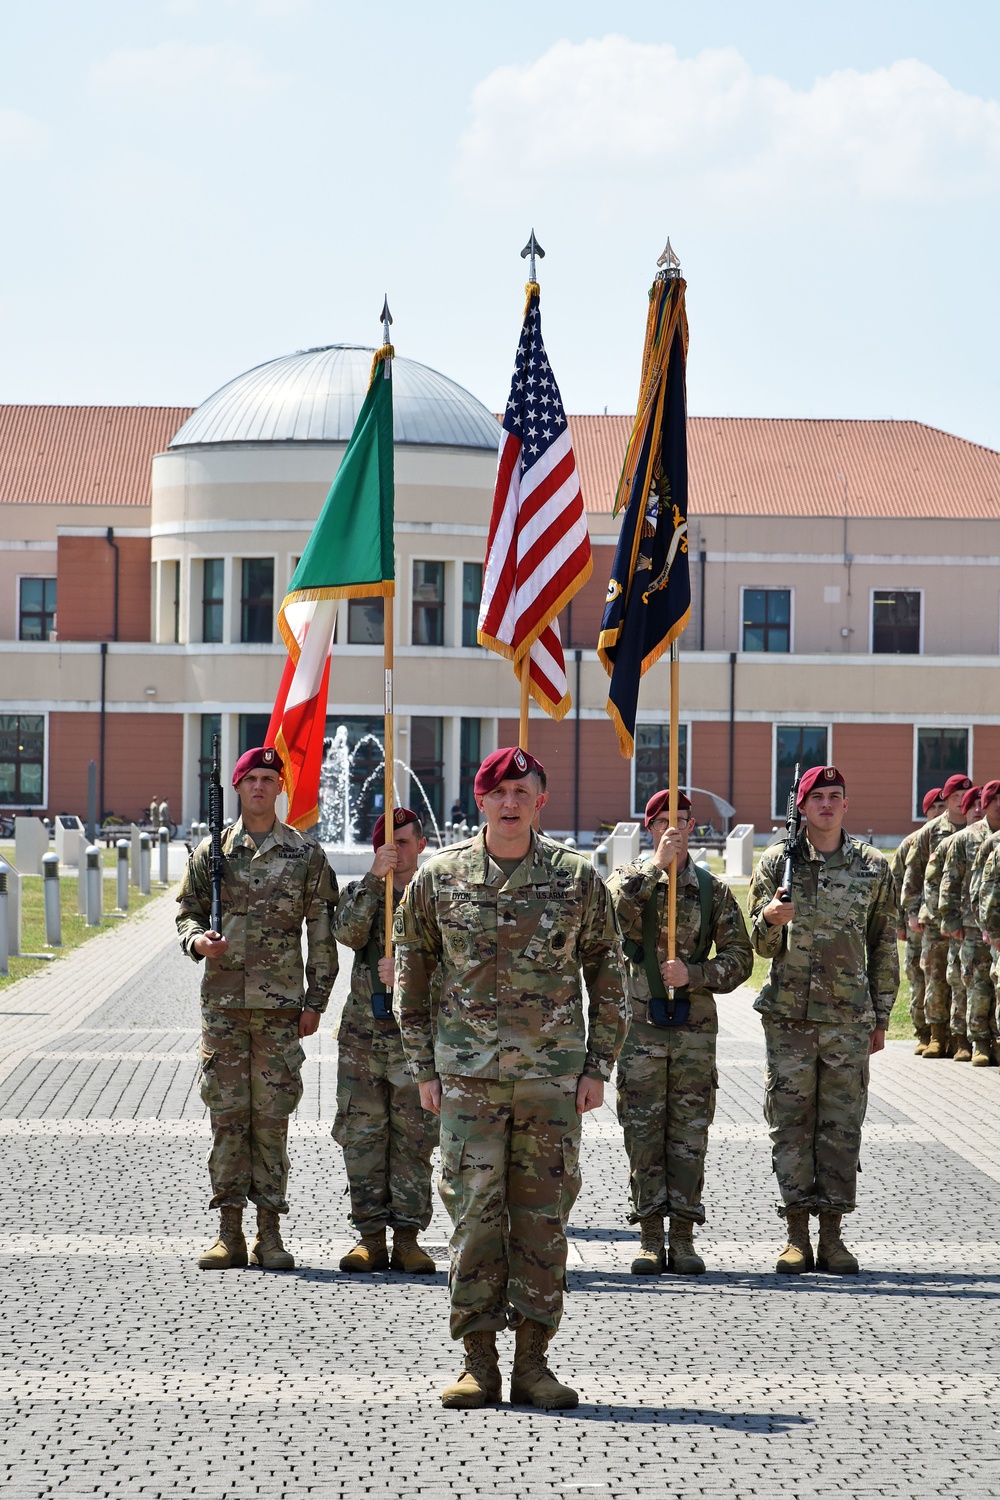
(507, 764)
(400, 817)
(970, 798)
(819, 776)
(934, 795)
(265, 756)
(989, 791)
(660, 802)
(954, 784)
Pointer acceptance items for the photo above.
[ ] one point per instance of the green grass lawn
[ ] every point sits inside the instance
(74, 927)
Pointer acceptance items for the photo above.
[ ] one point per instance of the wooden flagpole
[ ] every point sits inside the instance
(524, 672)
(388, 737)
(674, 772)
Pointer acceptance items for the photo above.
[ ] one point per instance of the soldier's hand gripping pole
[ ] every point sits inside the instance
(793, 822)
(215, 831)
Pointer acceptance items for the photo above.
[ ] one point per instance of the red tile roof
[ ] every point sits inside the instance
(790, 467)
(82, 455)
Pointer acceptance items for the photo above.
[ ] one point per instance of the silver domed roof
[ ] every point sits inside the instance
(314, 396)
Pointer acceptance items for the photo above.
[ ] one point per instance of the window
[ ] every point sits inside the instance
(428, 604)
(22, 759)
(796, 745)
(940, 753)
(472, 593)
(652, 761)
(37, 616)
(257, 600)
(366, 622)
(211, 725)
(470, 759)
(896, 621)
(767, 619)
(253, 730)
(212, 599)
(427, 766)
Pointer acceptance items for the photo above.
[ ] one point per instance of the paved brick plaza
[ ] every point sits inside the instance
(126, 1371)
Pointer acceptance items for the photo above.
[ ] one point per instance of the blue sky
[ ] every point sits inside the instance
(195, 186)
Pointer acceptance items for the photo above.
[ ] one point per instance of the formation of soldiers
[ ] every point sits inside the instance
(948, 875)
(519, 980)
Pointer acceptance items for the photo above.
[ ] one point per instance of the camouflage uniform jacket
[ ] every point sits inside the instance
(360, 910)
(929, 913)
(897, 864)
(955, 910)
(510, 953)
(982, 859)
(267, 894)
(632, 887)
(837, 959)
(919, 853)
(988, 906)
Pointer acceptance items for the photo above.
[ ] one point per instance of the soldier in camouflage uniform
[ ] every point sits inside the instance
(958, 1048)
(932, 808)
(386, 1137)
(933, 947)
(825, 1006)
(984, 892)
(510, 918)
(255, 1007)
(958, 916)
(667, 1077)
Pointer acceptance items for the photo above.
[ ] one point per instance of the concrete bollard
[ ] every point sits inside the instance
(145, 856)
(95, 886)
(164, 838)
(50, 891)
(4, 965)
(124, 850)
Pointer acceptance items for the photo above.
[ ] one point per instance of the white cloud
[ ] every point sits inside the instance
(619, 108)
(20, 135)
(177, 73)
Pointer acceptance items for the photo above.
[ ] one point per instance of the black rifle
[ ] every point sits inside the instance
(793, 822)
(215, 830)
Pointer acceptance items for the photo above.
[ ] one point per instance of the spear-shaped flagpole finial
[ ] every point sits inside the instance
(386, 317)
(532, 248)
(670, 266)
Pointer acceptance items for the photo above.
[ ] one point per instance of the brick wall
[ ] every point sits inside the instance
(143, 759)
(86, 583)
(604, 775)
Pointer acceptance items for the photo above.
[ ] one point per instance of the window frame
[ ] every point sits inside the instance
(43, 579)
(430, 784)
(684, 726)
(214, 601)
(768, 588)
(441, 607)
(778, 813)
(893, 589)
(367, 602)
(967, 729)
(464, 563)
(42, 801)
(256, 557)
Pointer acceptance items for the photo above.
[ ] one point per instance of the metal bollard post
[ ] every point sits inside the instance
(50, 890)
(145, 848)
(164, 837)
(95, 886)
(124, 850)
(4, 965)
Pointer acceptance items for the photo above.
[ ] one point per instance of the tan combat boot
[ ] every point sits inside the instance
(682, 1257)
(960, 1050)
(479, 1382)
(230, 1249)
(652, 1257)
(532, 1383)
(369, 1254)
(938, 1044)
(407, 1255)
(923, 1037)
(268, 1252)
(833, 1255)
(797, 1255)
(981, 1055)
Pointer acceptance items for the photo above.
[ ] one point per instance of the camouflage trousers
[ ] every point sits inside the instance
(981, 996)
(386, 1138)
(251, 1065)
(510, 1173)
(915, 975)
(958, 1017)
(934, 963)
(815, 1097)
(666, 1102)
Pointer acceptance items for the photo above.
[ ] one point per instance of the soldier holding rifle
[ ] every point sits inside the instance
(829, 928)
(242, 912)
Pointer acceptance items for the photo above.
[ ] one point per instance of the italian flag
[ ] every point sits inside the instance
(348, 555)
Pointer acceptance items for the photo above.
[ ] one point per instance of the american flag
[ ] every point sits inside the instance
(538, 552)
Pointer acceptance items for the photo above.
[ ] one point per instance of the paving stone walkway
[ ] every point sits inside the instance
(124, 1371)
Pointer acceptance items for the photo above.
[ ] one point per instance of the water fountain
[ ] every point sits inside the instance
(340, 802)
